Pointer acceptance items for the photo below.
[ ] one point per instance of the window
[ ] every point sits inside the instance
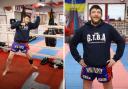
(61, 19)
(116, 11)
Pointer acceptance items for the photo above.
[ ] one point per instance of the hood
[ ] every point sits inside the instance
(90, 25)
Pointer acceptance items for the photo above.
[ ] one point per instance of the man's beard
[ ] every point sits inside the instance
(96, 22)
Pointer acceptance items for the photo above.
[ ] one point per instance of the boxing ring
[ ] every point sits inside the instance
(7, 33)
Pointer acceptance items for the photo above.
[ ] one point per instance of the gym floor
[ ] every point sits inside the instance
(22, 76)
(40, 41)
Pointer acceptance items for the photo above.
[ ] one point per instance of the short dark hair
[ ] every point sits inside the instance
(95, 7)
(27, 16)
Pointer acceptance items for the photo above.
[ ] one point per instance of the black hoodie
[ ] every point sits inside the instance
(22, 34)
(96, 42)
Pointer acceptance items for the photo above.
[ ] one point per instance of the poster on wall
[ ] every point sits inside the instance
(61, 19)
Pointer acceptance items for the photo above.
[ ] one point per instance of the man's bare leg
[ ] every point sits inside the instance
(108, 85)
(28, 54)
(87, 84)
(9, 61)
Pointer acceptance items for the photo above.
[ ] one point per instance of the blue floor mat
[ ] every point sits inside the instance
(48, 51)
(38, 57)
(45, 50)
(72, 71)
(38, 39)
(59, 43)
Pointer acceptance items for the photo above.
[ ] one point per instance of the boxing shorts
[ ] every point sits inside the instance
(103, 74)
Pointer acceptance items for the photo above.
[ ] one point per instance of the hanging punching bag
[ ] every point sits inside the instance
(51, 31)
(50, 41)
(51, 20)
(23, 13)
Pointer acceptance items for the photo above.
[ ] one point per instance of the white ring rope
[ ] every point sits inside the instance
(34, 53)
(48, 26)
(53, 36)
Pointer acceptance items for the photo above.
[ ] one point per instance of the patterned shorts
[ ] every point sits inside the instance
(103, 74)
(23, 47)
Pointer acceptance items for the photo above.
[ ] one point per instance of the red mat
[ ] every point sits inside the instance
(20, 70)
(50, 76)
(120, 77)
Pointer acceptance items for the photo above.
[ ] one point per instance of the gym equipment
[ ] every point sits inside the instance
(51, 19)
(2, 44)
(12, 21)
(51, 31)
(49, 40)
(56, 63)
(59, 31)
(32, 38)
(44, 61)
(23, 13)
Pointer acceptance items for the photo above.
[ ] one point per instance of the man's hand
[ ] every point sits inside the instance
(111, 62)
(82, 63)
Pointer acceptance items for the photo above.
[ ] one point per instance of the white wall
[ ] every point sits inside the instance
(4, 28)
(2, 16)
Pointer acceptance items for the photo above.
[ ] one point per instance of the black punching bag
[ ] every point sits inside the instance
(23, 13)
(50, 41)
(51, 18)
